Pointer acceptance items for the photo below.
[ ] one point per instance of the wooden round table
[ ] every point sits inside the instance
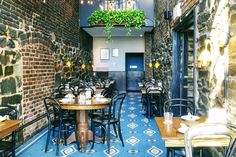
(82, 108)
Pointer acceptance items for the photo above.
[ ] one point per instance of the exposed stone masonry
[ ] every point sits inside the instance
(162, 45)
(36, 39)
(221, 33)
(232, 65)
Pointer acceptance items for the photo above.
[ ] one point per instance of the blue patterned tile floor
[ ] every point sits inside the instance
(141, 138)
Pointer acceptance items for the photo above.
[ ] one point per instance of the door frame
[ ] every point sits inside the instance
(126, 71)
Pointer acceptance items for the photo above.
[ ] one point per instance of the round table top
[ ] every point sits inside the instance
(87, 104)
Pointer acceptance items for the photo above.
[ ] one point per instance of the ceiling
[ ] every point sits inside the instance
(117, 31)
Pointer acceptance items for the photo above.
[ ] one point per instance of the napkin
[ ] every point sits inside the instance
(2, 118)
(69, 96)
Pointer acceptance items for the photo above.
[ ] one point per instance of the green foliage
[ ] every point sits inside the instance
(109, 18)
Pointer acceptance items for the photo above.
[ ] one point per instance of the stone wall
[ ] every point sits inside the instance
(162, 44)
(215, 23)
(232, 65)
(36, 39)
(148, 56)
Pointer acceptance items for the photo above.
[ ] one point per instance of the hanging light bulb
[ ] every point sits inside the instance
(81, 1)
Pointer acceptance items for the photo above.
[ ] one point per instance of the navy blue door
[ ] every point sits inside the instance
(134, 70)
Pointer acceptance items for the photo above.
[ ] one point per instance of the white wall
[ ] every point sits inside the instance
(124, 44)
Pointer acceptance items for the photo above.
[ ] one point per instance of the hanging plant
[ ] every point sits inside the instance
(128, 18)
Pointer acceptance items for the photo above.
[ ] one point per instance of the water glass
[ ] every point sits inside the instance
(168, 117)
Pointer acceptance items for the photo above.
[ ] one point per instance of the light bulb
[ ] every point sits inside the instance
(83, 66)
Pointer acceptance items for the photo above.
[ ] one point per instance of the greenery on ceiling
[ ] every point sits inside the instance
(128, 18)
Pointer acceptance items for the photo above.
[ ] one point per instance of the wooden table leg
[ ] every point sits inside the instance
(83, 131)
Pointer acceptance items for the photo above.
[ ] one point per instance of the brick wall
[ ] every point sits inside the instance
(36, 39)
(38, 80)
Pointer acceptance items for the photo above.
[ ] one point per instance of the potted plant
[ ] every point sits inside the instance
(109, 18)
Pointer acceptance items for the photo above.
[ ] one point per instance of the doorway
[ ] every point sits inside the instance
(134, 71)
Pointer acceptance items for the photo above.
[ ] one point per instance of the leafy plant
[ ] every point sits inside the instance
(109, 18)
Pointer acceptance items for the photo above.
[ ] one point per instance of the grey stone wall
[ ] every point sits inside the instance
(232, 65)
(221, 34)
(36, 40)
(162, 44)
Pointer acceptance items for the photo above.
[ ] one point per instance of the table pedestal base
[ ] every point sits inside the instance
(84, 134)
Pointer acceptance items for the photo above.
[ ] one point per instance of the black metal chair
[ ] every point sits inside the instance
(153, 96)
(113, 118)
(7, 145)
(56, 120)
(179, 106)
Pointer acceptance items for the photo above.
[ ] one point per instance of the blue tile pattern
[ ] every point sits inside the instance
(141, 137)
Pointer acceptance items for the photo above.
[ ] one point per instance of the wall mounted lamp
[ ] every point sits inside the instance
(83, 66)
(150, 65)
(205, 56)
(157, 65)
(68, 63)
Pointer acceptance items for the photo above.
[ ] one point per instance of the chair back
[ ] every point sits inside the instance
(53, 109)
(10, 111)
(183, 106)
(210, 136)
(116, 105)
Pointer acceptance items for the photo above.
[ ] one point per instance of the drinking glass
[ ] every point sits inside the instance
(168, 117)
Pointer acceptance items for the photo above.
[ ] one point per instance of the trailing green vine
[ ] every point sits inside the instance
(109, 18)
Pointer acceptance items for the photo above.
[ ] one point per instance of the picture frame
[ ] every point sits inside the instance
(104, 53)
(115, 52)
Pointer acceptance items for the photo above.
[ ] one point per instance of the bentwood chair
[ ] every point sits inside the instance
(211, 140)
(7, 145)
(56, 120)
(113, 118)
(179, 106)
(153, 96)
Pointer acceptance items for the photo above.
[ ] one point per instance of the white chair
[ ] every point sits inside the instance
(210, 135)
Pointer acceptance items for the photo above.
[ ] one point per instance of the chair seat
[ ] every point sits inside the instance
(104, 121)
(99, 113)
(5, 145)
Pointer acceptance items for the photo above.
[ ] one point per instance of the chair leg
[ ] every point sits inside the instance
(108, 139)
(48, 137)
(65, 133)
(103, 130)
(114, 128)
(53, 131)
(120, 135)
(58, 140)
(93, 130)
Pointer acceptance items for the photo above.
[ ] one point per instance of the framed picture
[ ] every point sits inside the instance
(104, 54)
(115, 52)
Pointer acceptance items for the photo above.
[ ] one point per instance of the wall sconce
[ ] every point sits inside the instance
(83, 66)
(68, 64)
(157, 65)
(150, 65)
(205, 56)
